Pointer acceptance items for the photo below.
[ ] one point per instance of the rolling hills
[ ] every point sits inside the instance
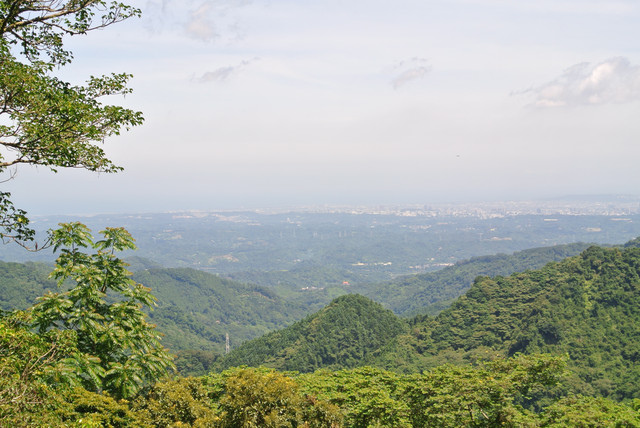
(586, 308)
(197, 309)
(433, 291)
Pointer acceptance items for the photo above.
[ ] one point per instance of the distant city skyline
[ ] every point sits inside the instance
(267, 103)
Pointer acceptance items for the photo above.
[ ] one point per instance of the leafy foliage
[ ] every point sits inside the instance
(125, 348)
(266, 398)
(45, 120)
(83, 408)
(240, 397)
(580, 411)
(366, 396)
(488, 395)
(29, 364)
(177, 402)
(13, 221)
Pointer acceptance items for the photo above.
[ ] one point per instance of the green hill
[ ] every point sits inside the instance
(22, 283)
(314, 286)
(434, 291)
(586, 307)
(340, 335)
(197, 309)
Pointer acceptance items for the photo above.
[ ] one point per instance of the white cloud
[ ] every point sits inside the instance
(613, 81)
(409, 70)
(223, 73)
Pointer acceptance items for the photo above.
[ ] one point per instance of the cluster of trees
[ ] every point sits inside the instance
(92, 337)
(196, 309)
(44, 120)
(491, 394)
(585, 307)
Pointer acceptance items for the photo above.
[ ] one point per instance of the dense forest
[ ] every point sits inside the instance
(197, 309)
(431, 292)
(554, 346)
(340, 335)
(585, 308)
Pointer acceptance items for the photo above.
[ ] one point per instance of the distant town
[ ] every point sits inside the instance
(607, 205)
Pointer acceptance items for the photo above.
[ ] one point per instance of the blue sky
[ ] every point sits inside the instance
(285, 103)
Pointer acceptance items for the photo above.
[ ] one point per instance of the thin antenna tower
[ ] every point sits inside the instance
(226, 345)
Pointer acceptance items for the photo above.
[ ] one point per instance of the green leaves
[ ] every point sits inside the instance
(104, 309)
(487, 395)
(55, 124)
(32, 366)
(349, 329)
(14, 223)
(43, 119)
(367, 396)
(38, 26)
(262, 397)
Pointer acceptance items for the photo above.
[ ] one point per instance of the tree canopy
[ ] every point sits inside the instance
(103, 309)
(45, 120)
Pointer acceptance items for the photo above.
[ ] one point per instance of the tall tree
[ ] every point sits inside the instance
(50, 122)
(45, 120)
(103, 309)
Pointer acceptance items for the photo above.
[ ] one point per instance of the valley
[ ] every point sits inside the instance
(575, 303)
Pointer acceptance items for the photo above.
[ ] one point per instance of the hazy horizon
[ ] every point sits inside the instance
(265, 103)
(582, 203)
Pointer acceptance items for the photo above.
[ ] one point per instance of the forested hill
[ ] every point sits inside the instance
(586, 307)
(21, 284)
(315, 286)
(431, 292)
(196, 309)
(342, 334)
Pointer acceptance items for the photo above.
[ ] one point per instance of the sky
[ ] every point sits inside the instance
(272, 103)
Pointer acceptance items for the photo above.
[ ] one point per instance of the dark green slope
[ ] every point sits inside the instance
(21, 284)
(340, 335)
(197, 309)
(434, 291)
(586, 307)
